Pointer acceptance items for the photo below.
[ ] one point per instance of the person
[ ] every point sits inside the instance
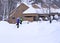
(50, 18)
(17, 21)
(21, 20)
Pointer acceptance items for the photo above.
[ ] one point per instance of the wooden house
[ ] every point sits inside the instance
(29, 13)
(17, 13)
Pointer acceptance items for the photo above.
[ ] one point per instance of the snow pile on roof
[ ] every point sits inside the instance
(38, 11)
(54, 10)
(18, 4)
(43, 11)
(59, 10)
(34, 10)
(29, 5)
(30, 2)
(39, 5)
(30, 10)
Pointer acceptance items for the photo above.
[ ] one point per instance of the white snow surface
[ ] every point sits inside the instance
(34, 32)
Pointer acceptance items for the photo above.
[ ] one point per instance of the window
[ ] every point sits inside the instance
(13, 17)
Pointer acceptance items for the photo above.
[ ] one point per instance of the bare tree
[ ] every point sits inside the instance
(6, 7)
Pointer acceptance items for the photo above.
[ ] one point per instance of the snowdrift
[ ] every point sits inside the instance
(33, 32)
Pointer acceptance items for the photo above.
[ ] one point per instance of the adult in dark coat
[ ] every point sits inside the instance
(18, 21)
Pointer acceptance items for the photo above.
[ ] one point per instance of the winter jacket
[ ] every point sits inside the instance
(18, 20)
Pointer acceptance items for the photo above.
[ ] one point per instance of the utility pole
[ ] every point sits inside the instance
(49, 6)
(50, 11)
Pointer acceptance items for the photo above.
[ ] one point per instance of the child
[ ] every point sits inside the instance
(21, 20)
(17, 21)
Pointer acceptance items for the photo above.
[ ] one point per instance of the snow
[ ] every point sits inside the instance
(29, 5)
(55, 10)
(18, 4)
(34, 10)
(51, 17)
(39, 5)
(40, 19)
(30, 10)
(41, 10)
(56, 16)
(46, 18)
(34, 32)
(45, 10)
(38, 11)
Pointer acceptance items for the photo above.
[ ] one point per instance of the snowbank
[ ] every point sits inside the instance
(34, 32)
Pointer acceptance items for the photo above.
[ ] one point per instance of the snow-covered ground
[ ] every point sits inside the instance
(34, 32)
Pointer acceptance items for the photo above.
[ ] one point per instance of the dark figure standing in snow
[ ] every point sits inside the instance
(18, 21)
(50, 19)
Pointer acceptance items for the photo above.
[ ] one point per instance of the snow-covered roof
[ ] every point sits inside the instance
(29, 5)
(38, 11)
(44, 11)
(55, 10)
(18, 4)
(30, 10)
(41, 10)
(36, 6)
(39, 5)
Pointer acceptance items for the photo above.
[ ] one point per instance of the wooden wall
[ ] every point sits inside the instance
(17, 13)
